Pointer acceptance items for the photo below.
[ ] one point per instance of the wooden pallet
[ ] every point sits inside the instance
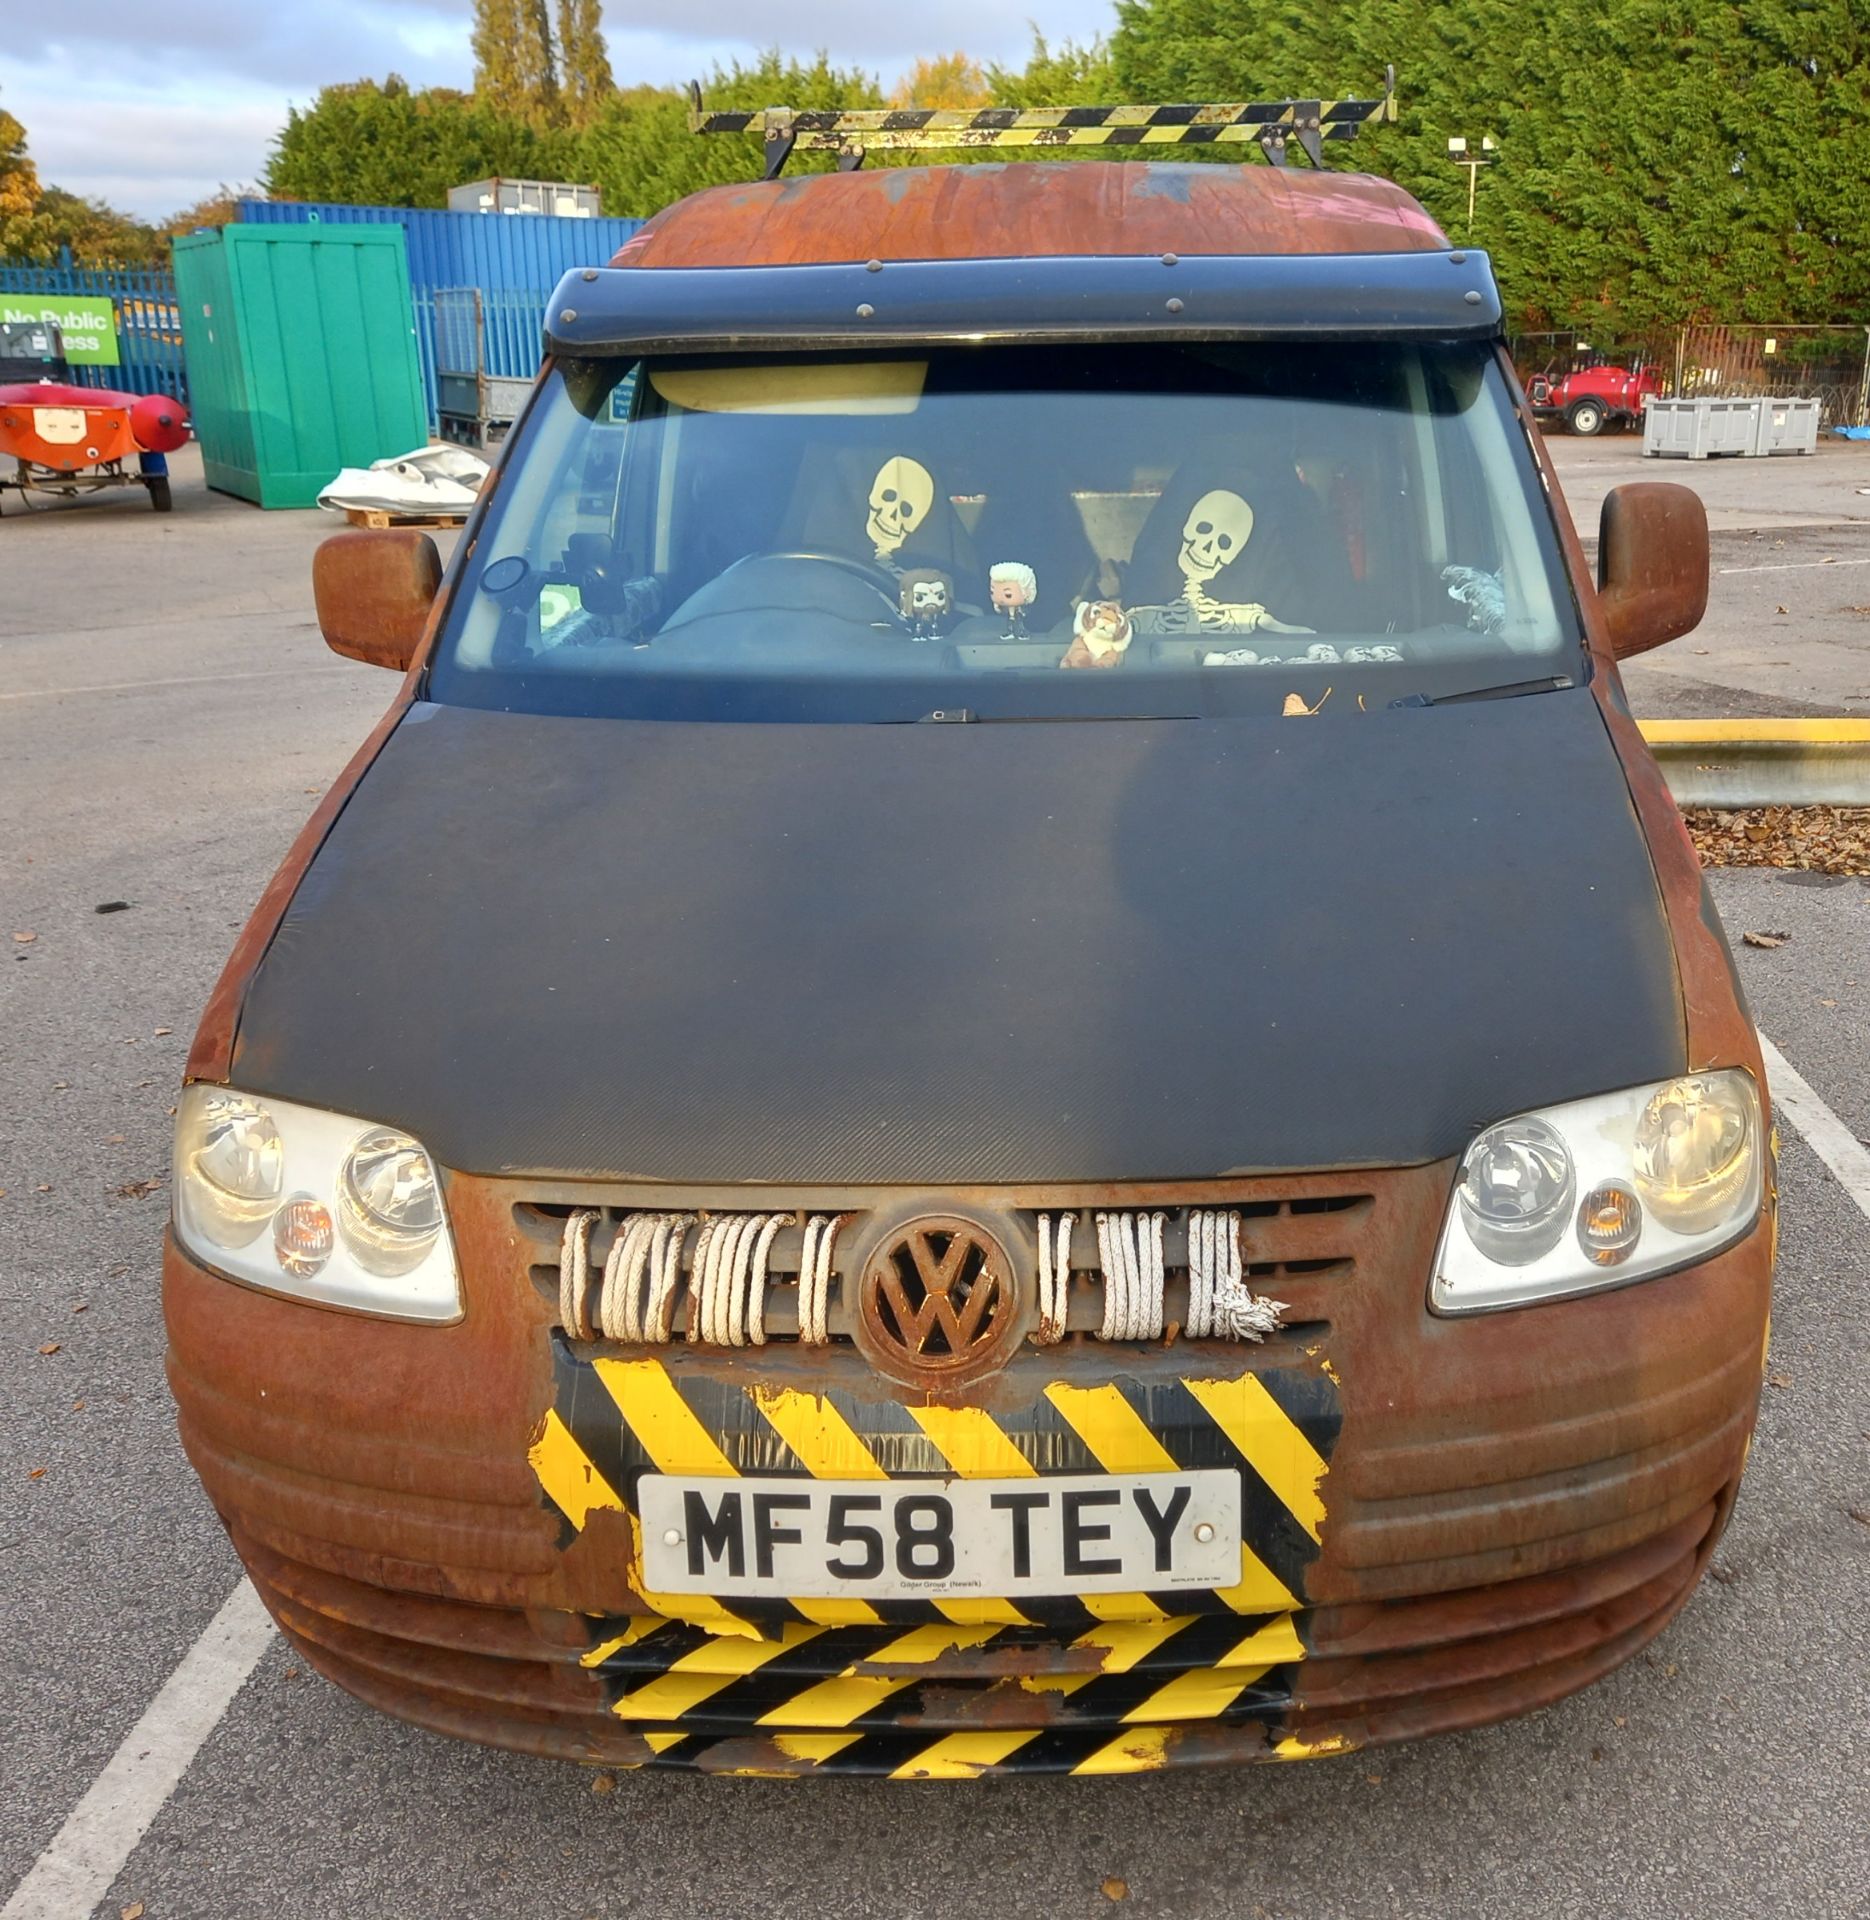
(380, 517)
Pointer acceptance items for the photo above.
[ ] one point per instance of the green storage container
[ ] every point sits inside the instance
(301, 352)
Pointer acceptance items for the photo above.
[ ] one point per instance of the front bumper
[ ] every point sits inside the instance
(1513, 1505)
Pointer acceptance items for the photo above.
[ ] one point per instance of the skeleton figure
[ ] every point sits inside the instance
(1218, 527)
(1219, 524)
(900, 498)
(1013, 587)
(1101, 634)
(926, 598)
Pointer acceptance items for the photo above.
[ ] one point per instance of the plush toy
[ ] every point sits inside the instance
(926, 600)
(1101, 634)
(1014, 587)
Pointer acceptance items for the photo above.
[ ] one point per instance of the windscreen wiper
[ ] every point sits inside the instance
(1511, 691)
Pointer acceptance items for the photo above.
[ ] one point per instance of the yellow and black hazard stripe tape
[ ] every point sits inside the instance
(1115, 126)
(839, 1700)
(613, 1420)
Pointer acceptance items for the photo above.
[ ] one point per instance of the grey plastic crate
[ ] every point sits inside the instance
(1788, 426)
(1700, 429)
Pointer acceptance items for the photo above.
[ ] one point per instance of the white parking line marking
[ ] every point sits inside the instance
(1824, 1132)
(87, 1853)
(1795, 566)
(137, 686)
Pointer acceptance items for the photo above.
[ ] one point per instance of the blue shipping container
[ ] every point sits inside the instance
(499, 253)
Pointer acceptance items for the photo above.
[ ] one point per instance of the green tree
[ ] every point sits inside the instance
(1068, 75)
(1660, 160)
(376, 143)
(585, 81)
(639, 152)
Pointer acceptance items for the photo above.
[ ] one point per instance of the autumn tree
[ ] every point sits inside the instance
(515, 61)
(22, 233)
(585, 81)
(97, 234)
(495, 42)
(950, 80)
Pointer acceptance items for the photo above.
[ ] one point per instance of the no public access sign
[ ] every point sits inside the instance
(89, 326)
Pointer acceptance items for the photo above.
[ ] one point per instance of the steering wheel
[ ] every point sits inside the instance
(865, 570)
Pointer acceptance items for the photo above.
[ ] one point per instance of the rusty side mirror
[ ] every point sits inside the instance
(1652, 564)
(374, 590)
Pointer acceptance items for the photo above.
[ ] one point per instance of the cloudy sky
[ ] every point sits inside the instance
(154, 105)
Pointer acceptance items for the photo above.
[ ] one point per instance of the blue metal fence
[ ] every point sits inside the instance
(149, 325)
(515, 261)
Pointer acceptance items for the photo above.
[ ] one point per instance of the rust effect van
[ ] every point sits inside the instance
(1007, 1059)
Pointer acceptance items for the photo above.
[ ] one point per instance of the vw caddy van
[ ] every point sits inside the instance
(1006, 1059)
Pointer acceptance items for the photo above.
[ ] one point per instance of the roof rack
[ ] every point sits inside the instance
(1273, 126)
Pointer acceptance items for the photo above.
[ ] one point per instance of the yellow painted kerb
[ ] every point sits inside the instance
(1809, 733)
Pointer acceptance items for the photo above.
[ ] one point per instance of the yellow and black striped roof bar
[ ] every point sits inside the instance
(1273, 126)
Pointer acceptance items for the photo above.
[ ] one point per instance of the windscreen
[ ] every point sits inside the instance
(1013, 533)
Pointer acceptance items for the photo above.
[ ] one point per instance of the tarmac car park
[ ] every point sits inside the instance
(160, 756)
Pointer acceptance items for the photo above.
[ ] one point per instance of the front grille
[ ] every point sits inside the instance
(1213, 1266)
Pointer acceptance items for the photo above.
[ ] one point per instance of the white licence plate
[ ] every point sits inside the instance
(896, 1539)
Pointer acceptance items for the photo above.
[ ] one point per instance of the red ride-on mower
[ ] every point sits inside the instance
(68, 441)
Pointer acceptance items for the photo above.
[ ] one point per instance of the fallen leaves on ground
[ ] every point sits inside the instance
(1810, 839)
(24, 939)
(51, 1346)
(1114, 1889)
(138, 1189)
(1766, 939)
(132, 1912)
(603, 1782)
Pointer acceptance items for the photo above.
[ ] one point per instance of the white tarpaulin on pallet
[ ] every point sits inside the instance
(429, 480)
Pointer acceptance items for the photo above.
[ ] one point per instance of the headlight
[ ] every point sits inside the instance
(229, 1164)
(1515, 1192)
(1601, 1192)
(388, 1202)
(312, 1204)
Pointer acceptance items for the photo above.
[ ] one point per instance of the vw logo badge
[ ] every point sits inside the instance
(938, 1302)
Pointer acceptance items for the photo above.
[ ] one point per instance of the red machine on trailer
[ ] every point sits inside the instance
(68, 440)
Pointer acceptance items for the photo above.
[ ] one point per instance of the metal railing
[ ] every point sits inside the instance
(148, 321)
(1829, 364)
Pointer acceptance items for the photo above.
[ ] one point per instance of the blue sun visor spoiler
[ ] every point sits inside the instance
(1339, 296)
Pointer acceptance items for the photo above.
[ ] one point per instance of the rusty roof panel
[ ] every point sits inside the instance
(1065, 207)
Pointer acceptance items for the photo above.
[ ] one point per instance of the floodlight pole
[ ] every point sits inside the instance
(1464, 156)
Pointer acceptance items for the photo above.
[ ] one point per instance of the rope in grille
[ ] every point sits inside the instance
(636, 1297)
